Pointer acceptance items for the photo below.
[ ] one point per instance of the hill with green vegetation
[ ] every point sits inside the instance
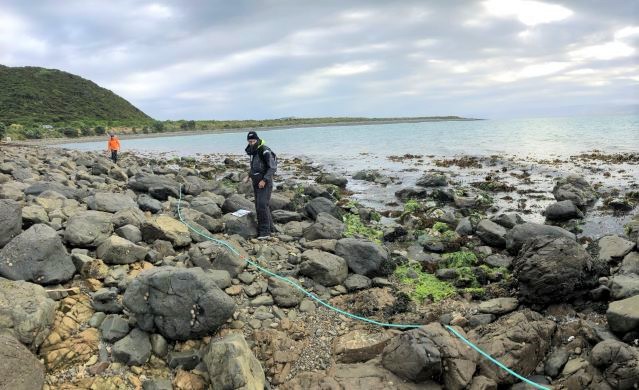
(33, 97)
(48, 103)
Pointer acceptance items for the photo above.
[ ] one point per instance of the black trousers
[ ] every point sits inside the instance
(114, 156)
(262, 200)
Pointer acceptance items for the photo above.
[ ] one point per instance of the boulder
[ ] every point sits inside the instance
(516, 237)
(182, 304)
(206, 205)
(370, 376)
(356, 282)
(630, 264)
(284, 216)
(129, 232)
(519, 340)
(431, 352)
(407, 193)
(623, 315)
(147, 203)
(576, 189)
(325, 227)
(20, 369)
(10, 220)
(363, 257)
(321, 205)
(508, 220)
(118, 250)
(432, 180)
(26, 312)
(323, 267)
(164, 227)
(498, 306)
(284, 294)
(491, 233)
(110, 202)
(134, 349)
(360, 346)
(614, 248)
(333, 179)
(209, 255)
(551, 270)
(623, 286)
(159, 187)
(232, 365)
(34, 214)
(114, 327)
(130, 216)
(36, 255)
(562, 211)
(619, 363)
(42, 186)
(88, 229)
(245, 226)
(237, 202)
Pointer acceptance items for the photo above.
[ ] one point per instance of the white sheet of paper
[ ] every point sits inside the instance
(241, 212)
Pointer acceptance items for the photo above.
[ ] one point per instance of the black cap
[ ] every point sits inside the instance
(252, 135)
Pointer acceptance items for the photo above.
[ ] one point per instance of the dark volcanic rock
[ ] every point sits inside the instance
(36, 255)
(181, 304)
(10, 220)
(550, 269)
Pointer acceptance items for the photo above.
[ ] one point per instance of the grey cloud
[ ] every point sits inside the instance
(243, 59)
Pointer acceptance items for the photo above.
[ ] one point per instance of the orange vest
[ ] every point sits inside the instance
(113, 144)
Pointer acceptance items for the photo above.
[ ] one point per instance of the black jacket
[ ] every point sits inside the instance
(263, 163)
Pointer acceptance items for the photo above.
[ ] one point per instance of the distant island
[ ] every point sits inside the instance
(39, 103)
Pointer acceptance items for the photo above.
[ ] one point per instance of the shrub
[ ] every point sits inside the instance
(100, 130)
(70, 132)
(87, 131)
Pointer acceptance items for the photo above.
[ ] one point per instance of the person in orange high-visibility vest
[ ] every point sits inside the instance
(113, 145)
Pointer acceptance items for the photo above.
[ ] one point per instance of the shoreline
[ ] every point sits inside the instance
(97, 138)
(452, 244)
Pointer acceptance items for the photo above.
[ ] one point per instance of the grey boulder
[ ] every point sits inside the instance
(88, 229)
(110, 202)
(36, 255)
(20, 369)
(576, 189)
(181, 304)
(364, 257)
(519, 234)
(555, 270)
(323, 267)
(10, 220)
(134, 349)
(231, 364)
(118, 250)
(26, 312)
(431, 352)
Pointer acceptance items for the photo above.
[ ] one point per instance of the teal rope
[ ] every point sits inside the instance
(495, 361)
(338, 310)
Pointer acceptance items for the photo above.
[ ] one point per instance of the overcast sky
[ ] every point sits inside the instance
(268, 59)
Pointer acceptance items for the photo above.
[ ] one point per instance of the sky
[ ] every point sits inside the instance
(203, 59)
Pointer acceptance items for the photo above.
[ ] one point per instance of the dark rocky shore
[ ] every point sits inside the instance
(102, 286)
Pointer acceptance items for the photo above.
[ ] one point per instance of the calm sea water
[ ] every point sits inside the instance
(539, 137)
(347, 149)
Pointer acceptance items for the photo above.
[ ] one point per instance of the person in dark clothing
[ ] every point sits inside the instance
(263, 166)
